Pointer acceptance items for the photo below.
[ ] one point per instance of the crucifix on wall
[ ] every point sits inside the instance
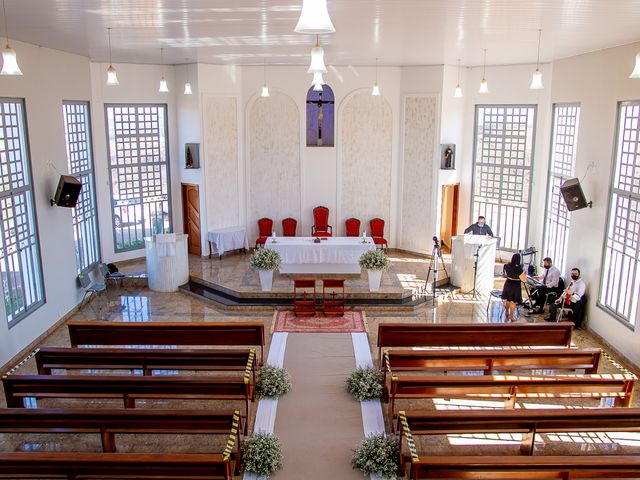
(320, 117)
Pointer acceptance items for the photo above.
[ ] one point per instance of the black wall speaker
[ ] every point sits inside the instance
(67, 192)
(573, 195)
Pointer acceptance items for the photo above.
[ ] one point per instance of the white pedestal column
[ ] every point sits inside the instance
(463, 252)
(166, 274)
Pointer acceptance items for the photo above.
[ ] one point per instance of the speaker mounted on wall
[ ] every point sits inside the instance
(67, 192)
(573, 195)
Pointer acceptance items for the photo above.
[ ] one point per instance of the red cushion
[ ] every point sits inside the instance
(379, 240)
(320, 234)
(261, 240)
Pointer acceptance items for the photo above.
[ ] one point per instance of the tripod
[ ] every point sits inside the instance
(436, 258)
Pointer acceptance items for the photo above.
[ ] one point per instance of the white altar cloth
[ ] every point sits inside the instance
(223, 240)
(167, 273)
(463, 254)
(334, 255)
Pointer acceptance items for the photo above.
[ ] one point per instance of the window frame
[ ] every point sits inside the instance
(165, 106)
(563, 178)
(612, 179)
(37, 262)
(495, 229)
(92, 173)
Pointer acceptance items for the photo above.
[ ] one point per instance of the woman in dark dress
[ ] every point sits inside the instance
(512, 291)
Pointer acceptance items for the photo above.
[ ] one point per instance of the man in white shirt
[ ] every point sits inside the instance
(550, 280)
(574, 292)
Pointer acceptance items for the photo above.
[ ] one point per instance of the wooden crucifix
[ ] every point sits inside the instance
(320, 103)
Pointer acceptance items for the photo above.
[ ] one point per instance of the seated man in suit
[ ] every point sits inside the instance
(570, 298)
(550, 280)
(479, 228)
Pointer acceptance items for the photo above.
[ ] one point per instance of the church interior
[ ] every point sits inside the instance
(320, 239)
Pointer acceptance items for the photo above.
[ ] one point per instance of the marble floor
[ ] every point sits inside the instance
(136, 303)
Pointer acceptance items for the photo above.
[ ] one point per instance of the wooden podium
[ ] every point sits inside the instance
(464, 251)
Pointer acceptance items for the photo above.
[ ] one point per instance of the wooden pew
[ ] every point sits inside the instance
(127, 387)
(109, 422)
(147, 360)
(511, 387)
(529, 468)
(529, 422)
(474, 335)
(168, 333)
(80, 466)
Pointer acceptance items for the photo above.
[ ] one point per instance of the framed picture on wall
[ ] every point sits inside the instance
(191, 155)
(448, 156)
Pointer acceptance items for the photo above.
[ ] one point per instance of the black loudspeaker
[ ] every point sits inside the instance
(67, 192)
(573, 195)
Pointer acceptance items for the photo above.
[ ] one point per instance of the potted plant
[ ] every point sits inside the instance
(261, 454)
(265, 261)
(377, 454)
(365, 383)
(374, 262)
(272, 382)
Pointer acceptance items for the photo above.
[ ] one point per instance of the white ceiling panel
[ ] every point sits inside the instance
(398, 32)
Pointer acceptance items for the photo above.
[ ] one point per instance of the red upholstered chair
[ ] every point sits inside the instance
(377, 232)
(353, 227)
(321, 227)
(289, 227)
(265, 229)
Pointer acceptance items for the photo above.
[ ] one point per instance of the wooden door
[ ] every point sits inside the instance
(191, 216)
(449, 215)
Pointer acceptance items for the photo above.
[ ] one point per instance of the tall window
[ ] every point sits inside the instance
(139, 168)
(19, 253)
(503, 157)
(620, 284)
(564, 142)
(80, 160)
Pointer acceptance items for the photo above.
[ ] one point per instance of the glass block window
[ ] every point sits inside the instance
(77, 132)
(19, 253)
(139, 171)
(502, 163)
(620, 285)
(564, 142)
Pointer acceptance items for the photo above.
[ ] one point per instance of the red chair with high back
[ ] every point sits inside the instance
(353, 227)
(289, 226)
(265, 229)
(377, 232)
(321, 227)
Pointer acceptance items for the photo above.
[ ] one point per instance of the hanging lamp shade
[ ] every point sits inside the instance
(536, 80)
(317, 60)
(636, 70)
(317, 82)
(112, 76)
(314, 18)
(458, 91)
(265, 91)
(187, 89)
(10, 62)
(164, 88)
(375, 91)
(484, 86)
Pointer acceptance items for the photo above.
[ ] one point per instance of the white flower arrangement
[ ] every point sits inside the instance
(377, 454)
(374, 260)
(262, 454)
(272, 382)
(365, 383)
(265, 259)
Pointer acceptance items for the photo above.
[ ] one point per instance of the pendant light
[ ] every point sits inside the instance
(112, 76)
(458, 91)
(536, 79)
(265, 89)
(375, 91)
(317, 82)
(314, 18)
(636, 70)
(9, 57)
(163, 83)
(187, 86)
(317, 59)
(484, 86)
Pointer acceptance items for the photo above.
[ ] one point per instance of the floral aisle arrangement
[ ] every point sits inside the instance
(262, 454)
(377, 454)
(272, 382)
(365, 384)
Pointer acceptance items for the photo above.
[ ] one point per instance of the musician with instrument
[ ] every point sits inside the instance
(570, 297)
(544, 284)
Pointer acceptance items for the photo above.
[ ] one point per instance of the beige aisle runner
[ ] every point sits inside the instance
(318, 423)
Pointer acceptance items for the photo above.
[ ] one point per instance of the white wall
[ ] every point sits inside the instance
(49, 78)
(598, 81)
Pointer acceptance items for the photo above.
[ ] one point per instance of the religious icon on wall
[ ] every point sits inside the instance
(320, 117)
(191, 155)
(448, 157)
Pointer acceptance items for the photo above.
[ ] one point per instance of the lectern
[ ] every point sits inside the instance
(463, 253)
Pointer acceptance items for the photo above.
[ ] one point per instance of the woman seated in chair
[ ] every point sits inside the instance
(512, 290)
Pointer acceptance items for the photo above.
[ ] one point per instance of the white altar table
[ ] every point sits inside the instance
(334, 255)
(223, 240)
(465, 247)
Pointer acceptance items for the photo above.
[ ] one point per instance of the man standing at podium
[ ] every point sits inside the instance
(479, 228)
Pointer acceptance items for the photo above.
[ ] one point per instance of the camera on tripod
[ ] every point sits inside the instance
(436, 242)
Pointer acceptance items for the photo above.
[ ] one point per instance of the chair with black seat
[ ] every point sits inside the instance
(265, 230)
(575, 315)
(321, 227)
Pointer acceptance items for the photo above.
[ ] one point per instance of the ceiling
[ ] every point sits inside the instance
(398, 32)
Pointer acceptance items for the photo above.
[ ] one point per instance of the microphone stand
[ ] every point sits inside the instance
(474, 291)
